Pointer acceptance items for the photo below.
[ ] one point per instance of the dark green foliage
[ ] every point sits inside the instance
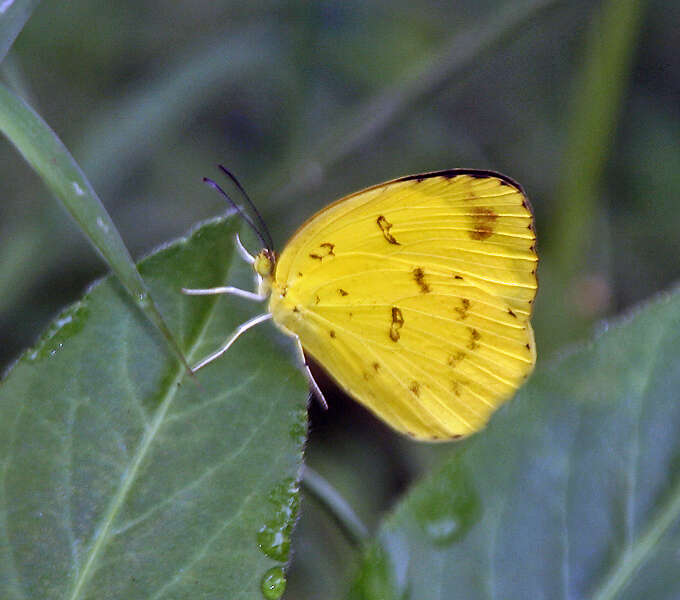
(572, 491)
(124, 478)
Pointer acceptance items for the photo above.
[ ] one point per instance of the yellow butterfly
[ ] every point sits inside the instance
(414, 294)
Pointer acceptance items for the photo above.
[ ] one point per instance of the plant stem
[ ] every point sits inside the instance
(338, 508)
(598, 95)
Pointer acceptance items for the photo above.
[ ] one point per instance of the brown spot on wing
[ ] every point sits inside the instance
(332, 333)
(483, 221)
(462, 310)
(419, 276)
(376, 367)
(455, 358)
(326, 251)
(475, 336)
(414, 387)
(397, 324)
(512, 314)
(342, 292)
(385, 227)
(458, 277)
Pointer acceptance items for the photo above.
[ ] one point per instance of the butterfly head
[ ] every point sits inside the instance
(265, 265)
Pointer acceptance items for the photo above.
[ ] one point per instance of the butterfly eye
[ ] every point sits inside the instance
(264, 263)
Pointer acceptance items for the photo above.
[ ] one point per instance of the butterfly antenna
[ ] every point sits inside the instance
(251, 204)
(240, 211)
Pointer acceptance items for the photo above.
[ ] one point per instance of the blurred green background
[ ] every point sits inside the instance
(308, 101)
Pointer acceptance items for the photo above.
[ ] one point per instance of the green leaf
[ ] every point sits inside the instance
(45, 152)
(573, 490)
(123, 478)
(13, 17)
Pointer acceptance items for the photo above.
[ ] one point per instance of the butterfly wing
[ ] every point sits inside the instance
(416, 295)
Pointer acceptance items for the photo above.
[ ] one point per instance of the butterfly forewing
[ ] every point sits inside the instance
(415, 295)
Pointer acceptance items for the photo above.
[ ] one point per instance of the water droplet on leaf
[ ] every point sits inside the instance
(69, 322)
(143, 299)
(442, 529)
(273, 583)
(273, 538)
(274, 542)
(78, 190)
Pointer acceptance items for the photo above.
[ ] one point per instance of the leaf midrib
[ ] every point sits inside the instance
(639, 550)
(149, 436)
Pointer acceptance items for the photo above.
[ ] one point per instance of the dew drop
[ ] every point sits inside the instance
(273, 538)
(143, 299)
(274, 542)
(68, 323)
(77, 189)
(273, 583)
(442, 529)
(102, 225)
(55, 349)
(448, 506)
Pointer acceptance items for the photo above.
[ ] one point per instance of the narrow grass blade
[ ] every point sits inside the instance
(13, 17)
(45, 152)
(597, 101)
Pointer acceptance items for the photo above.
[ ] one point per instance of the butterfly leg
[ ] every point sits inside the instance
(243, 253)
(234, 291)
(315, 389)
(242, 328)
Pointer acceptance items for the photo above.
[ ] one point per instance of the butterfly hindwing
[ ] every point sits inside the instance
(434, 364)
